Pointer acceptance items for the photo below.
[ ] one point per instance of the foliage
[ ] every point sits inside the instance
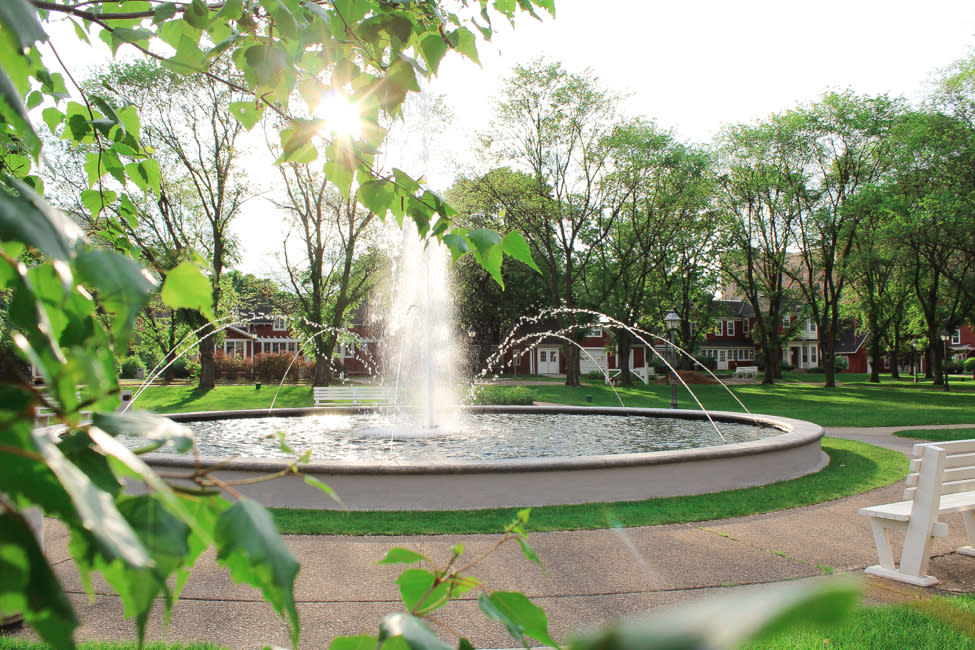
(130, 367)
(73, 306)
(503, 395)
(969, 364)
(273, 368)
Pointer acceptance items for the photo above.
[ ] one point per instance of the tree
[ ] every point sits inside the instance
(658, 253)
(842, 144)
(74, 305)
(331, 275)
(761, 193)
(549, 126)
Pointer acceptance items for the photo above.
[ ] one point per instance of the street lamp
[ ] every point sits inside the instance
(945, 337)
(914, 361)
(672, 320)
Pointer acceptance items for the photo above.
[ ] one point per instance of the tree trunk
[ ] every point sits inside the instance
(623, 343)
(323, 370)
(208, 370)
(170, 372)
(771, 363)
(571, 356)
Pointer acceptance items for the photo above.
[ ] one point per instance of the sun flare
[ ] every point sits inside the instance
(341, 117)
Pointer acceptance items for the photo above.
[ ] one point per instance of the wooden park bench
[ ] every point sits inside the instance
(746, 371)
(942, 481)
(354, 395)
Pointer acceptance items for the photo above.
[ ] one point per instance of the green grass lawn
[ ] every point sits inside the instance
(938, 435)
(854, 467)
(853, 404)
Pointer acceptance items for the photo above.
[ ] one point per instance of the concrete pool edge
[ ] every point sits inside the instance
(525, 482)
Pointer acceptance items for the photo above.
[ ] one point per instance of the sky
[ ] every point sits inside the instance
(691, 65)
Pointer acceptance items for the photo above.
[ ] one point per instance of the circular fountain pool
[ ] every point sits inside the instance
(566, 455)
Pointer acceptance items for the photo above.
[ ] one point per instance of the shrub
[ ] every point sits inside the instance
(785, 365)
(955, 365)
(969, 364)
(594, 374)
(503, 395)
(130, 367)
(232, 367)
(708, 362)
(271, 368)
(841, 363)
(184, 368)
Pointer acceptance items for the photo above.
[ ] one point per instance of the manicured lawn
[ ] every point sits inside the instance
(856, 404)
(854, 467)
(934, 624)
(939, 435)
(849, 405)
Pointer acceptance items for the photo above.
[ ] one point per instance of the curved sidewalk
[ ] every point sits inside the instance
(591, 576)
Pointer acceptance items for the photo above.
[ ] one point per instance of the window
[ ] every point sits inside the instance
(811, 326)
(541, 355)
(956, 337)
(279, 324)
(813, 353)
(235, 348)
(745, 326)
(595, 332)
(731, 328)
(786, 320)
(718, 327)
(348, 350)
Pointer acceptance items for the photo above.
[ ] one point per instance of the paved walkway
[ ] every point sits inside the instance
(591, 576)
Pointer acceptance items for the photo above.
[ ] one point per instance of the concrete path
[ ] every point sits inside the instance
(591, 576)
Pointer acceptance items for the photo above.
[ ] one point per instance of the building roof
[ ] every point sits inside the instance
(849, 342)
(731, 308)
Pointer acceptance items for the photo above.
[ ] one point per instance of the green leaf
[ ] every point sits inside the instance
(52, 117)
(340, 176)
(187, 288)
(30, 587)
(156, 428)
(163, 13)
(376, 196)
(122, 286)
(96, 201)
(521, 616)
(399, 555)
(415, 587)
(27, 218)
(189, 58)
(95, 507)
(414, 631)
(361, 642)
(20, 18)
(464, 41)
(514, 245)
(457, 244)
(196, 14)
(249, 545)
(324, 487)
(297, 142)
(484, 240)
(433, 47)
(13, 109)
(247, 113)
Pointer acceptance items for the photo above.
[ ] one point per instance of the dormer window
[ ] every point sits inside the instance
(279, 324)
(730, 327)
(956, 337)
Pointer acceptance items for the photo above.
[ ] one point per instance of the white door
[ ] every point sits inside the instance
(548, 362)
(722, 359)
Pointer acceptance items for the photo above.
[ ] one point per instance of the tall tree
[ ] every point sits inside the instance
(761, 195)
(550, 124)
(842, 143)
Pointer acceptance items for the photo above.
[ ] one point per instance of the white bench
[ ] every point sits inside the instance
(942, 481)
(746, 371)
(354, 395)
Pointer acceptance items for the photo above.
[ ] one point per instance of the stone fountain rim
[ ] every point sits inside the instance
(795, 434)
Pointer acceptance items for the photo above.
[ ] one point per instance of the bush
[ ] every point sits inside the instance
(841, 363)
(708, 362)
(130, 367)
(785, 365)
(955, 365)
(232, 367)
(503, 395)
(271, 368)
(594, 374)
(184, 368)
(969, 364)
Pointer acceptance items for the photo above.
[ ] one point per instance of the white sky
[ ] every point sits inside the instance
(693, 65)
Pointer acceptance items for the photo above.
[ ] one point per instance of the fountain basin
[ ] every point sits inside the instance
(456, 485)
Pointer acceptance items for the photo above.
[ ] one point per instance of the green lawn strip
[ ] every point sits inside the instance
(857, 405)
(854, 467)
(937, 622)
(225, 397)
(8, 643)
(940, 435)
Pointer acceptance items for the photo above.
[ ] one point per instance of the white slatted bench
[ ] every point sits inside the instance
(354, 395)
(746, 371)
(942, 481)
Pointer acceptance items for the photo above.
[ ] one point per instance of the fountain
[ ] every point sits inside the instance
(436, 456)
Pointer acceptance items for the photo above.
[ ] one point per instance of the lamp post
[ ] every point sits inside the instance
(945, 337)
(672, 320)
(914, 361)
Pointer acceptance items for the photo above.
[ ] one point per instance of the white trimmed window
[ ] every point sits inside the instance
(786, 320)
(279, 324)
(731, 328)
(956, 337)
(718, 327)
(233, 348)
(745, 326)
